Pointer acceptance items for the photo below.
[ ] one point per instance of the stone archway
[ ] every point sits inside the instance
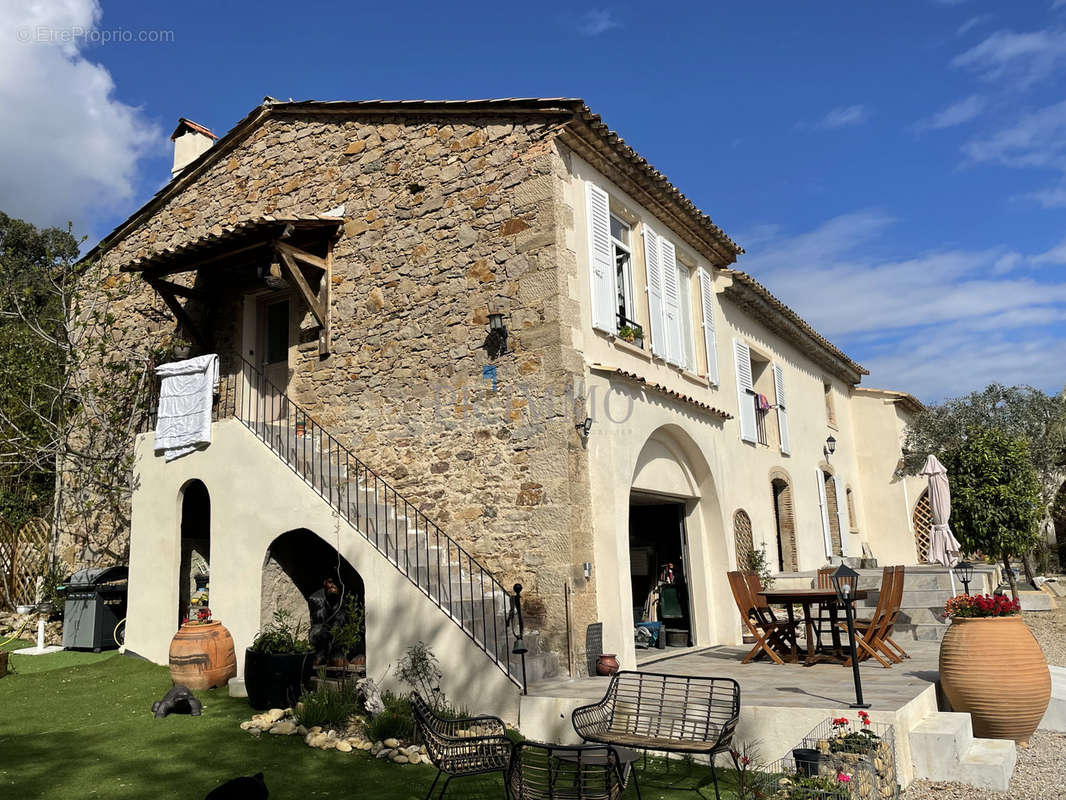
(296, 564)
(785, 521)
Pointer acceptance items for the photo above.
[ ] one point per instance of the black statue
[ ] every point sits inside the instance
(327, 612)
(252, 787)
(179, 700)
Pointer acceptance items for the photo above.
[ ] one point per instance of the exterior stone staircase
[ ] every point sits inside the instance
(943, 748)
(440, 567)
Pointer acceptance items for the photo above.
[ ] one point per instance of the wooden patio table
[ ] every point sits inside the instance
(808, 598)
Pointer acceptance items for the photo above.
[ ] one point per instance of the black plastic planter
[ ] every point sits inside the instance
(276, 681)
(806, 760)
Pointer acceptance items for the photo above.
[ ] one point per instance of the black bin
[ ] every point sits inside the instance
(95, 604)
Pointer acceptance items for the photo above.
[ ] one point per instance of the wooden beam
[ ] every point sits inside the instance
(178, 289)
(183, 317)
(161, 271)
(303, 256)
(300, 282)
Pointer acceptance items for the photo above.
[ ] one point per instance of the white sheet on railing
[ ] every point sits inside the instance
(184, 415)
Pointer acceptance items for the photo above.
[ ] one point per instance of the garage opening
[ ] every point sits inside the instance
(658, 566)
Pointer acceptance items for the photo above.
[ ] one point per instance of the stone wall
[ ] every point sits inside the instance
(445, 218)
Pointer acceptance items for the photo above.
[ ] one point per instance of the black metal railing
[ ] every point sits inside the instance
(434, 562)
(630, 331)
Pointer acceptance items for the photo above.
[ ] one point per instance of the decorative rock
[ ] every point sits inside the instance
(392, 743)
(344, 746)
(285, 728)
(275, 714)
(383, 754)
(399, 758)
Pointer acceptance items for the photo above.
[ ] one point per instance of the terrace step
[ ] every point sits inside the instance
(943, 748)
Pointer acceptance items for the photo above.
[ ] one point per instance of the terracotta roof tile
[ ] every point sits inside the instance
(658, 387)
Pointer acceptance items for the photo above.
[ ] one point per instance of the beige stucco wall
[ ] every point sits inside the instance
(714, 471)
(255, 498)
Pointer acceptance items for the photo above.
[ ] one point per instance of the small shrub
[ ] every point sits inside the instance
(394, 722)
(760, 565)
(283, 636)
(329, 706)
(420, 670)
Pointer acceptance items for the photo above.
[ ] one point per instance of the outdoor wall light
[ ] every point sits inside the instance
(584, 427)
(496, 341)
(830, 446)
(964, 572)
(845, 584)
(587, 567)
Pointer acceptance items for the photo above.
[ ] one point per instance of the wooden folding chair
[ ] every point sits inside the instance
(769, 632)
(824, 618)
(868, 632)
(889, 644)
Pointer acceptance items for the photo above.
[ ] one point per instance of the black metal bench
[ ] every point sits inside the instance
(665, 713)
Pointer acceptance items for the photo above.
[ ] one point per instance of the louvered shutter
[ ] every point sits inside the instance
(842, 511)
(707, 302)
(653, 268)
(823, 504)
(601, 260)
(671, 303)
(782, 409)
(745, 402)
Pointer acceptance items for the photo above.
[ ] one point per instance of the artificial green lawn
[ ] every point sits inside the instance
(80, 725)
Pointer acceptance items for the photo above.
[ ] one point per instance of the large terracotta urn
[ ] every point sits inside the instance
(202, 655)
(993, 668)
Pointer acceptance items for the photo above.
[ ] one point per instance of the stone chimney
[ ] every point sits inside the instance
(190, 142)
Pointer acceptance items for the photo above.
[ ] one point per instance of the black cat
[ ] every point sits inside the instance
(252, 787)
(179, 700)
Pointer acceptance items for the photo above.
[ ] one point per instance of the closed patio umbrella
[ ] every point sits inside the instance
(943, 546)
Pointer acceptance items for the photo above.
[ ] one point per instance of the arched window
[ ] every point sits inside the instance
(743, 537)
(922, 519)
(853, 521)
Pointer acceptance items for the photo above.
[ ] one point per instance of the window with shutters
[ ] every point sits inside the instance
(621, 250)
(688, 348)
(832, 514)
(784, 518)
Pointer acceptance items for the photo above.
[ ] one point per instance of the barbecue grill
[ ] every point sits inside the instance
(95, 604)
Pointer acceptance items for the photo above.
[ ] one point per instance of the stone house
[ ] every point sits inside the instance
(526, 356)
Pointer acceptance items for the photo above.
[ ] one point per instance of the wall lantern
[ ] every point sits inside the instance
(584, 427)
(830, 446)
(964, 572)
(496, 341)
(845, 584)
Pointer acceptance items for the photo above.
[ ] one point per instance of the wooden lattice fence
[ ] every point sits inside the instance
(742, 535)
(922, 519)
(23, 552)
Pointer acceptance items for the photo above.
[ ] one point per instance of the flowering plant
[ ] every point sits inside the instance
(846, 740)
(201, 617)
(981, 606)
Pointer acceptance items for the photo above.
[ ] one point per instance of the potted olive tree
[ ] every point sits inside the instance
(278, 665)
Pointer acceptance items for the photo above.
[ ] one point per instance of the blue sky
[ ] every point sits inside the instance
(897, 173)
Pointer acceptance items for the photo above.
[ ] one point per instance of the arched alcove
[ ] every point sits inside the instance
(296, 565)
(784, 520)
(195, 564)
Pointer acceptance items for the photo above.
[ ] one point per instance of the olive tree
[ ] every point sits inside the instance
(996, 499)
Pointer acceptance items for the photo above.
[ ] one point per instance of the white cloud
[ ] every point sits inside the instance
(1056, 255)
(597, 21)
(842, 117)
(955, 114)
(70, 148)
(1020, 59)
(938, 323)
(972, 23)
(1036, 139)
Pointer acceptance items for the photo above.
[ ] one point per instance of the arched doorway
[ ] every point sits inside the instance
(784, 521)
(922, 521)
(295, 570)
(195, 565)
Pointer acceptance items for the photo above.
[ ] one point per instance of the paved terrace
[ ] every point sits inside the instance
(779, 703)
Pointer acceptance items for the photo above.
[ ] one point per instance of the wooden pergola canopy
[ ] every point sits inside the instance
(288, 240)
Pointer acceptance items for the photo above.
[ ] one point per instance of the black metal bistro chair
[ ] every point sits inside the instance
(460, 748)
(664, 713)
(565, 772)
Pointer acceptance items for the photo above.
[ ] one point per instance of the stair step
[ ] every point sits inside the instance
(988, 764)
(943, 748)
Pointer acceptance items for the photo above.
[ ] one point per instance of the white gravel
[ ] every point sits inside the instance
(1039, 775)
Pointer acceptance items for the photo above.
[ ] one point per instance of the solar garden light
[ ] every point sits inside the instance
(964, 572)
(845, 583)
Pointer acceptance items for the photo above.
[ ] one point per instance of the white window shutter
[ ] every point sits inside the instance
(653, 268)
(782, 409)
(842, 509)
(601, 260)
(745, 402)
(671, 303)
(707, 302)
(823, 504)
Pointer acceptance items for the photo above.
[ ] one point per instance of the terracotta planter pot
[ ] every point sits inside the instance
(993, 668)
(201, 656)
(607, 664)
